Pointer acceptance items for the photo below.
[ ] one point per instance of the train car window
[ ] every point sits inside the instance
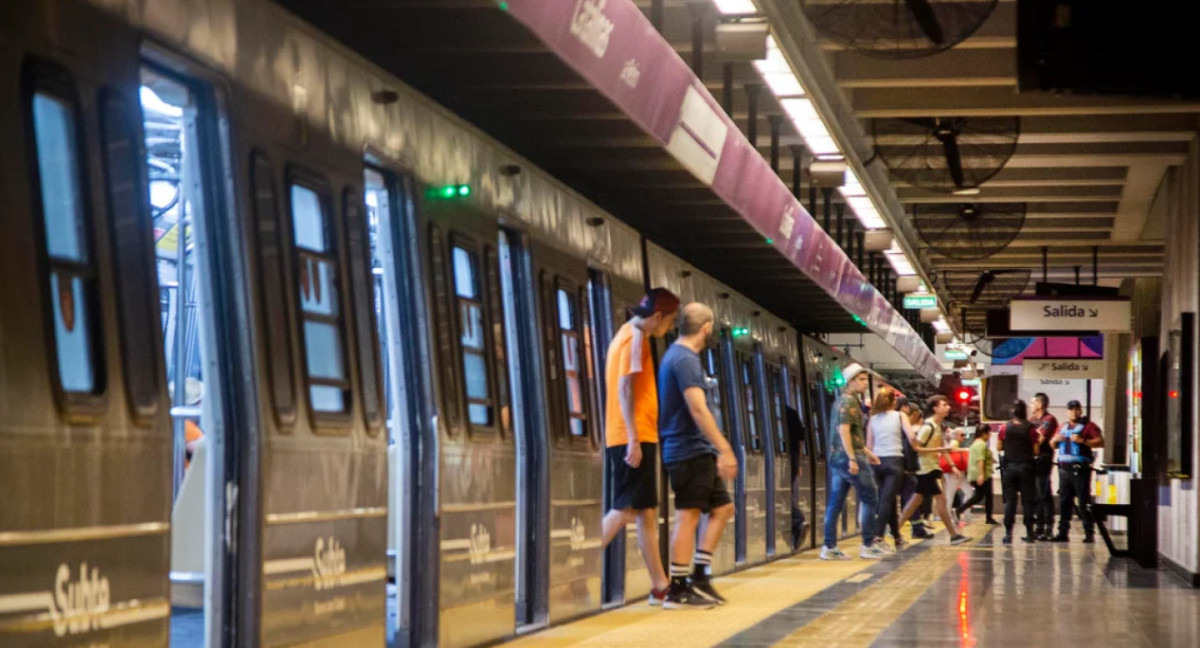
(321, 317)
(131, 231)
(451, 406)
(491, 266)
(70, 265)
(798, 403)
(362, 288)
(550, 346)
(748, 395)
(472, 325)
(281, 370)
(572, 361)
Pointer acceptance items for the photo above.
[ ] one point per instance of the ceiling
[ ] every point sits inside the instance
(480, 63)
(1088, 167)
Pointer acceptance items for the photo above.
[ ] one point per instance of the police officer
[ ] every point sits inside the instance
(1076, 442)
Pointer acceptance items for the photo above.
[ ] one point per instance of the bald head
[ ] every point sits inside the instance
(695, 315)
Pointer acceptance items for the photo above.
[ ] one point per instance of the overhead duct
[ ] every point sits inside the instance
(741, 42)
(878, 241)
(908, 283)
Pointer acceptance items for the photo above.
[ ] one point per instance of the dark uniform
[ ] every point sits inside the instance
(1017, 476)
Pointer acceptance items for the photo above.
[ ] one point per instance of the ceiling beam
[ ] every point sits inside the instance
(966, 102)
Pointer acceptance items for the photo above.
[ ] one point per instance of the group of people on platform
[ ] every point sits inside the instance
(888, 451)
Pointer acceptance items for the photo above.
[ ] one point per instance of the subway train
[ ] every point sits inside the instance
(290, 355)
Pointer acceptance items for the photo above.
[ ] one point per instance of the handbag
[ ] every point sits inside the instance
(959, 459)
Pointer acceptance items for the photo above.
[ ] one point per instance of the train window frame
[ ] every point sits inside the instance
(325, 422)
(711, 360)
(271, 260)
(563, 287)
(443, 327)
(132, 241)
(362, 305)
(496, 330)
(474, 252)
(43, 78)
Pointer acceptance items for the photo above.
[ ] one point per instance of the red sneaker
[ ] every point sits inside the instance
(657, 596)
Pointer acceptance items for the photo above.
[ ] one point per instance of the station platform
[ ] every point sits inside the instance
(981, 593)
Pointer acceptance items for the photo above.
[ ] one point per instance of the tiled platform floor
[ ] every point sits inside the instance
(978, 594)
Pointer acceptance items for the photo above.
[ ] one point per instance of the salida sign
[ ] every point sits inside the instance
(1062, 369)
(1069, 315)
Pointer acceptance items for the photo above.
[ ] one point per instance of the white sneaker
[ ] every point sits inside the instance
(883, 547)
(833, 554)
(869, 552)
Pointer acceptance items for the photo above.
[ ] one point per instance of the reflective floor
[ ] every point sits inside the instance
(978, 594)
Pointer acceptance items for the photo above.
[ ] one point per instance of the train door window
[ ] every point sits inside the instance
(378, 201)
(798, 404)
(318, 280)
(472, 325)
(176, 164)
(70, 264)
(778, 417)
(362, 286)
(712, 370)
(572, 360)
(274, 294)
(748, 396)
(599, 300)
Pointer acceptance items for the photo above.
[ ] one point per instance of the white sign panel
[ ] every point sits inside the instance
(1062, 369)
(1067, 314)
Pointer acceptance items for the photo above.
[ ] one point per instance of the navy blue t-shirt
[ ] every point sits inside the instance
(678, 434)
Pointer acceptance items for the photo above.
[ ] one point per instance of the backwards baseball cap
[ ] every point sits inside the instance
(851, 371)
(657, 300)
(1073, 404)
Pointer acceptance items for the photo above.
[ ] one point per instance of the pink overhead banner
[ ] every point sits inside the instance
(612, 45)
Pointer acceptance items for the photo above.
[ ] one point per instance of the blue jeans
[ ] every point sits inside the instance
(840, 481)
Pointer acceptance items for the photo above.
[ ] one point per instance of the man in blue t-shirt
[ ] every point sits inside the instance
(698, 459)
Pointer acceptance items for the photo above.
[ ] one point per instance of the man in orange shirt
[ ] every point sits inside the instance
(632, 404)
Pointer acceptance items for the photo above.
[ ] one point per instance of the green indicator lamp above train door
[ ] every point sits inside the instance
(741, 332)
(448, 192)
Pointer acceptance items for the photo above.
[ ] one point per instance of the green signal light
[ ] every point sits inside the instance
(503, 6)
(770, 241)
(448, 192)
(741, 332)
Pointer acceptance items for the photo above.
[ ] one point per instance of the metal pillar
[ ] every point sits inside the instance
(752, 90)
(858, 247)
(698, 39)
(841, 225)
(796, 150)
(727, 89)
(656, 14)
(827, 209)
(775, 121)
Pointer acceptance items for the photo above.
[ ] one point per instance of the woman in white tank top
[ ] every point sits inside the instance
(885, 432)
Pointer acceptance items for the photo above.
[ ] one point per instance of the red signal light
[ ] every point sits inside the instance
(964, 395)
(1174, 393)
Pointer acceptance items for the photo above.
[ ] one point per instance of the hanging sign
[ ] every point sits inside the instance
(916, 302)
(955, 354)
(1062, 369)
(1067, 314)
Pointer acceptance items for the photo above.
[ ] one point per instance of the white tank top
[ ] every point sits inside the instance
(887, 430)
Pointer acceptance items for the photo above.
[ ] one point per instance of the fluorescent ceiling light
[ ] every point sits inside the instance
(808, 123)
(851, 187)
(941, 325)
(782, 84)
(735, 6)
(901, 264)
(865, 210)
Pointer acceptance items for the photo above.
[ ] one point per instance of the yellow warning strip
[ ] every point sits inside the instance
(860, 619)
(753, 595)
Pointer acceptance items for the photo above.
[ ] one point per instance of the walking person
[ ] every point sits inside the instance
(954, 469)
(698, 461)
(631, 430)
(912, 465)
(1043, 466)
(928, 444)
(887, 430)
(1076, 441)
(849, 460)
(979, 474)
(1018, 448)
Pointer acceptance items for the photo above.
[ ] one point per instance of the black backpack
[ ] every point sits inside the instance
(911, 463)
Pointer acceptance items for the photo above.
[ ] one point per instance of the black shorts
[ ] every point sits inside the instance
(697, 485)
(634, 488)
(929, 484)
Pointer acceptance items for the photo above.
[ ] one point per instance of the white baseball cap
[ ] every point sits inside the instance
(851, 371)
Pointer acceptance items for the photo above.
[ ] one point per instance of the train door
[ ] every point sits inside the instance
(519, 293)
(395, 291)
(781, 480)
(817, 413)
(724, 558)
(732, 379)
(803, 452)
(755, 462)
(769, 440)
(198, 277)
(476, 448)
(575, 459)
(603, 327)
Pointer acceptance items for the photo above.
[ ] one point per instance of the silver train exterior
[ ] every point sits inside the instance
(497, 500)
